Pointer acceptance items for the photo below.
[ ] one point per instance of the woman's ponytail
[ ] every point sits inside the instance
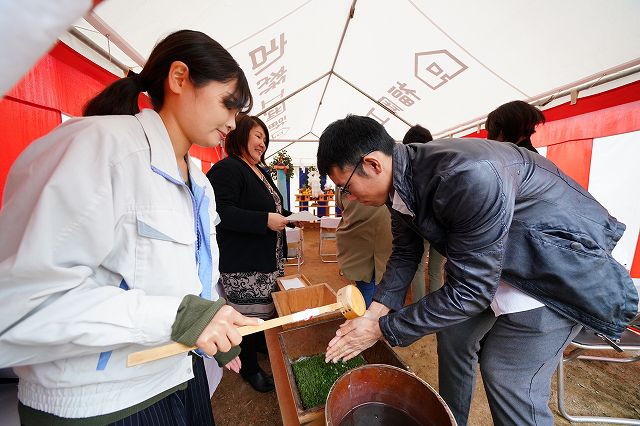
(119, 98)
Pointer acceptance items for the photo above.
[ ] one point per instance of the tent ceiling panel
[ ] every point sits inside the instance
(301, 153)
(543, 45)
(143, 23)
(292, 118)
(281, 46)
(341, 99)
(291, 53)
(441, 64)
(426, 79)
(409, 61)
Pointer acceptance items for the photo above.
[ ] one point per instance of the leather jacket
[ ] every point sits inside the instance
(496, 211)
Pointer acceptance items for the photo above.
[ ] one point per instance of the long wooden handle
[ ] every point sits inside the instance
(160, 352)
(171, 349)
(288, 319)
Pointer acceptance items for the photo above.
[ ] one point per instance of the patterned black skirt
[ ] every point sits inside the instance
(250, 292)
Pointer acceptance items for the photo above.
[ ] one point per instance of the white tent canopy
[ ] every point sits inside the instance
(444, 65)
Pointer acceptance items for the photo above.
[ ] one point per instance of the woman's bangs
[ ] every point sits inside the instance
(241, 99)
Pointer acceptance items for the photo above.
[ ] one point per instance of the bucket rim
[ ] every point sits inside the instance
(387, 367)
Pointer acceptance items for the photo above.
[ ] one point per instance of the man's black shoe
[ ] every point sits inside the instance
(260, 381)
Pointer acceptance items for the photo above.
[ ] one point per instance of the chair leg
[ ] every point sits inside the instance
(301, 242)
(298, 260)
(583, 419)
(323, 254)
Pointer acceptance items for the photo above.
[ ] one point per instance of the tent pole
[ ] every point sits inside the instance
(352, 12)
(293, 93)
(98, 49)
(104, 29)
(373, 100)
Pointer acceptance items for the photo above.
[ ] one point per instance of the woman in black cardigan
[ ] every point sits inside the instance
(250, 235)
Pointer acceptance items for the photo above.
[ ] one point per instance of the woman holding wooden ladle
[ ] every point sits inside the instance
(349, 302)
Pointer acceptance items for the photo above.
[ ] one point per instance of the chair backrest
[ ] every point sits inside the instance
(293, 235)
(329, 222)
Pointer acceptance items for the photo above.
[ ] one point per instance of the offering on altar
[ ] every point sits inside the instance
(314, 183)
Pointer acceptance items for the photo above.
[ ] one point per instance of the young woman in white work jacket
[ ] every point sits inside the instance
(108, 247)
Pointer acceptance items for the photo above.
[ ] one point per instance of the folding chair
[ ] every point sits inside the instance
(295, 247)
(328, 227)
(588, 341)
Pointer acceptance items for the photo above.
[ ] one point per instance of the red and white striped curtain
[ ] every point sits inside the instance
(601, 150)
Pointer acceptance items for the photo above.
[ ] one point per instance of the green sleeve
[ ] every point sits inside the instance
(194, 313)
(224, 358)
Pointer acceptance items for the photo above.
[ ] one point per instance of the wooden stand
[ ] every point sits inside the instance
(323, 205)
(302, 201)
(326, 205)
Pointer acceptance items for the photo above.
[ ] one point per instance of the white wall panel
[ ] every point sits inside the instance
(614, 181)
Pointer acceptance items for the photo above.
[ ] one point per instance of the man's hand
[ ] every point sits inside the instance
(354, 336)
(234, 365)
(221, 333)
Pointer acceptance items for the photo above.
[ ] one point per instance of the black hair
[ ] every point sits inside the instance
(514, 121)
(417, 134)
(206, 59)
(345, 141)
(238, 139)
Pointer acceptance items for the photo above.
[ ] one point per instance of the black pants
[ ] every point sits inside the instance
(249, 353)
(189, 407)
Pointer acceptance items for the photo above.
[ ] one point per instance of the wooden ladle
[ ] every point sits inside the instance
(349, 302)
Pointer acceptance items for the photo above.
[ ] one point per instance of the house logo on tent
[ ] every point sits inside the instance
(437, 67)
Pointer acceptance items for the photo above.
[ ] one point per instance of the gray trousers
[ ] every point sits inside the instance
(518, 355)
(436, 273)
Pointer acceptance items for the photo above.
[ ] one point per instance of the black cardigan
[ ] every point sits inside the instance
(243, 203)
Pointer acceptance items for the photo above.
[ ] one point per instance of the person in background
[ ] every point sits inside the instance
(363, 240)
(418, 134)
(514, 122)
(250, 235)
(528, 259)
(107, 248)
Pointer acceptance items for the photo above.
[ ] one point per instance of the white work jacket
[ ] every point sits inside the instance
(99, 236)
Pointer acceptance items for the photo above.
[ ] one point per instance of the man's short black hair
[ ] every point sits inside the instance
(417, 134)
(513, 120)
(345, 141)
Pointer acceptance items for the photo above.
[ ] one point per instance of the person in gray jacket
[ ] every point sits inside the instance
(528, 249)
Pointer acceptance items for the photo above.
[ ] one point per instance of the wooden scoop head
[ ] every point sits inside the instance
(353, 305)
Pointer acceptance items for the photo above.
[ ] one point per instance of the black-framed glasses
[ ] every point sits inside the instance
(343, 189)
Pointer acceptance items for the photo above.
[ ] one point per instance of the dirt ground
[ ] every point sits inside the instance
(592, 388)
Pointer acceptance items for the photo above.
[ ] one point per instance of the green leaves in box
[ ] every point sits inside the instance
(315, 377)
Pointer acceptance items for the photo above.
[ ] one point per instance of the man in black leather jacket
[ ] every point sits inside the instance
(528, 249)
